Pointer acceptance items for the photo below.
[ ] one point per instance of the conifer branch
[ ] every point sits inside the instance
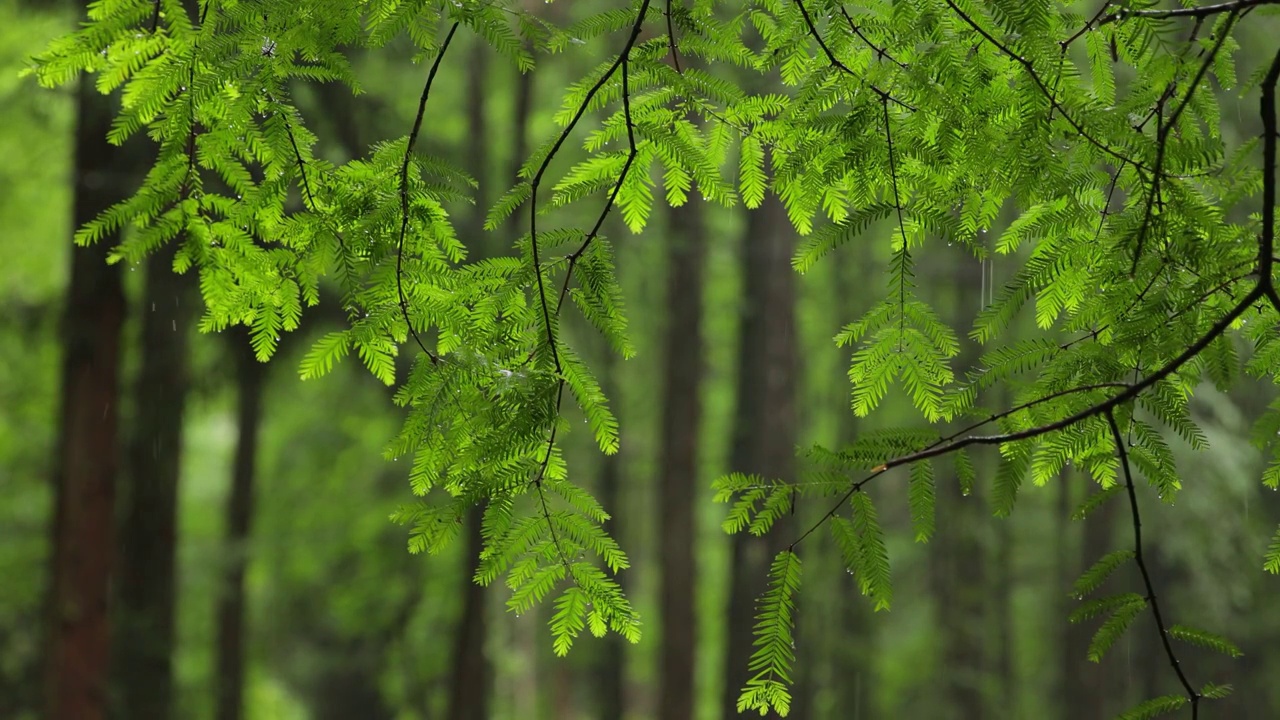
(1165, 126)
(621, 62)
(671, 42)
(1044, 88)
(836, 63)
(879, 50)
(1192, 695)
(1199, 13)
(404, 191)
(546, 162)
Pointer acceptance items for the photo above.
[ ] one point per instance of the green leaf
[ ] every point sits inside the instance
(1100, 571)
(1155, 707)
(920, 495)
(324, 354)
(751, 178)
(1113, 627)
(1205, 639)
(769, 686)
(1272, 562)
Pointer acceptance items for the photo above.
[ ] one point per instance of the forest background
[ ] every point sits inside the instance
(736, 368)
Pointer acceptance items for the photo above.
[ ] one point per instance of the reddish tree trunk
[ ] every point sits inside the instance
(678, 480)
(76, 651)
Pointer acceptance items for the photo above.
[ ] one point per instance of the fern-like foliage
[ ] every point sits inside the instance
(1143, 247)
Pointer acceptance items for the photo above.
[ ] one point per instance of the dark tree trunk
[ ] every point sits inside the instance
(470, 685)
(351, 689)
(853, 666)
(958, 565)
(148, 525)
(609, 678)
(678, 474)
(230, 660)
(76, 650)
(764, 435)
(1002, 603)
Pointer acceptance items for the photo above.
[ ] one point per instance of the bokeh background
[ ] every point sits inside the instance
(736, 368)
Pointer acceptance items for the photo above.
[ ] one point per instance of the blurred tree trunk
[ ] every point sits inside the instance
(1088, 686)
(958, 567)
(148, 525)
(1061, 577)
(764, 434)
(609, 678)
(230, 660)
(1002, 607)
(83, 546)
(853, 664)
(471, 678)
(678, 468)
(352, 690)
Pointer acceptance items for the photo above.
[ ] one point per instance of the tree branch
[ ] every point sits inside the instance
(404, 192)
(546, 162)
(1192, 695)
(621, 62)
(1044, 88)
(1203, 11)
(835, 62)
(1266, 245)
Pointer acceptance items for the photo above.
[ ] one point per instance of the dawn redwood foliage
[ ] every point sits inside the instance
(1143, 242)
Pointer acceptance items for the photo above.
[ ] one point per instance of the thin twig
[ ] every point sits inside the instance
(1164, 127)
(404, 192)
(1267, 111)
(902, 230)
(880, 51)
(1192, 12)
(1130, 392)
(546, 162)
(835, 62)
(1093, 21)
(1044, 88)
(1192, 695)
(994, 417)
(671, 41)
(621, 62)
(617, 187)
